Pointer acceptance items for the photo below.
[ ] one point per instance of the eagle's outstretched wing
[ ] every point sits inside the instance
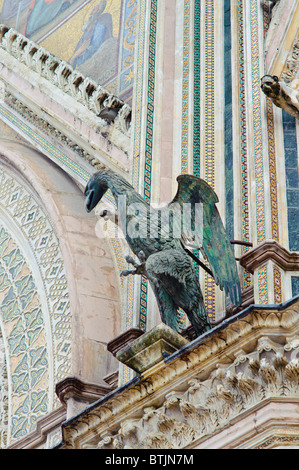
(208, 232)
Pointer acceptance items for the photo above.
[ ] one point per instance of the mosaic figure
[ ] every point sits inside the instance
(41, 12)
(11, 8)
(96, 30)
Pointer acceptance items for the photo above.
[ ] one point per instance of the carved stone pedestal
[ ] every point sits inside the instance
(151, 348)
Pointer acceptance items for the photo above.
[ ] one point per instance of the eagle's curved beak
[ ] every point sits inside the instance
(93, 193)
(89, 193)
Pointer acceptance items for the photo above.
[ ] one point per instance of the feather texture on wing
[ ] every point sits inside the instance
(209, 236)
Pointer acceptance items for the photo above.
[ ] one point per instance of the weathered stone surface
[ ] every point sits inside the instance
(151, 348)
(242, 371)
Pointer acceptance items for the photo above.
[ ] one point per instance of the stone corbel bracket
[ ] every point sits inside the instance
(56, 93)
(279, 263)
(281, 94)
(281, 83)
(270, 250)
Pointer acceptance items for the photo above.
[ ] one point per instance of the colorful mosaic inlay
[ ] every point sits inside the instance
(263, 285)
(34, 306)
(243, 139)
(185, 91)
(150, 104)
(271, 152)
(138, 95)
(197, 55)
(277, 285)
(209, 95)
(44, 144)
(272, 171)
(149, 144)
(228, 123)
(257, 124)
(22, 316)
(197, 70)
(209, 173)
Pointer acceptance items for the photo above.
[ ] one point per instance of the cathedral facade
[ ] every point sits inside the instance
(150, 90)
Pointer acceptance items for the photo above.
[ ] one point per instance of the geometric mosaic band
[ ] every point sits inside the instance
(257, 123)
(243, 137)
(149, 143)
(209, 116)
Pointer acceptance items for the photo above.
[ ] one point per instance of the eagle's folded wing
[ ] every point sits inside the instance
(208, 232)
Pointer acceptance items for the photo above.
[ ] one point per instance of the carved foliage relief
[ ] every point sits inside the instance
(208, 406)
(211, 401)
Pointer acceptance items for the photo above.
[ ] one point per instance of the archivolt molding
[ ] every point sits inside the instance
(35, 307)
(252, 360)
(44, 126)
(291, 69)
(3, 395)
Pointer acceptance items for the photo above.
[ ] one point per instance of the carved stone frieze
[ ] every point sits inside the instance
(207, 406)
(226, 375)
(292, 64)
(23, 110)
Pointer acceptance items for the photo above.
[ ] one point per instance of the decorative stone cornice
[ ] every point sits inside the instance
(270, 250)
(60, 73)
(250, 359)
(81, 391)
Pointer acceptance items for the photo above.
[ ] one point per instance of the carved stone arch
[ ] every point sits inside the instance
(46, 229)
(3, 395)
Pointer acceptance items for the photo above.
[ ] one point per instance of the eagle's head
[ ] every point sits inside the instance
(95, 190)
(270, 85)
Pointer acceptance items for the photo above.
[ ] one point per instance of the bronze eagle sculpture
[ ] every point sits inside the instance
(162, 248)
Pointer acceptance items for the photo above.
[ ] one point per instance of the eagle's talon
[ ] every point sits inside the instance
(142, 257)
(127, 272)
(131, 260)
